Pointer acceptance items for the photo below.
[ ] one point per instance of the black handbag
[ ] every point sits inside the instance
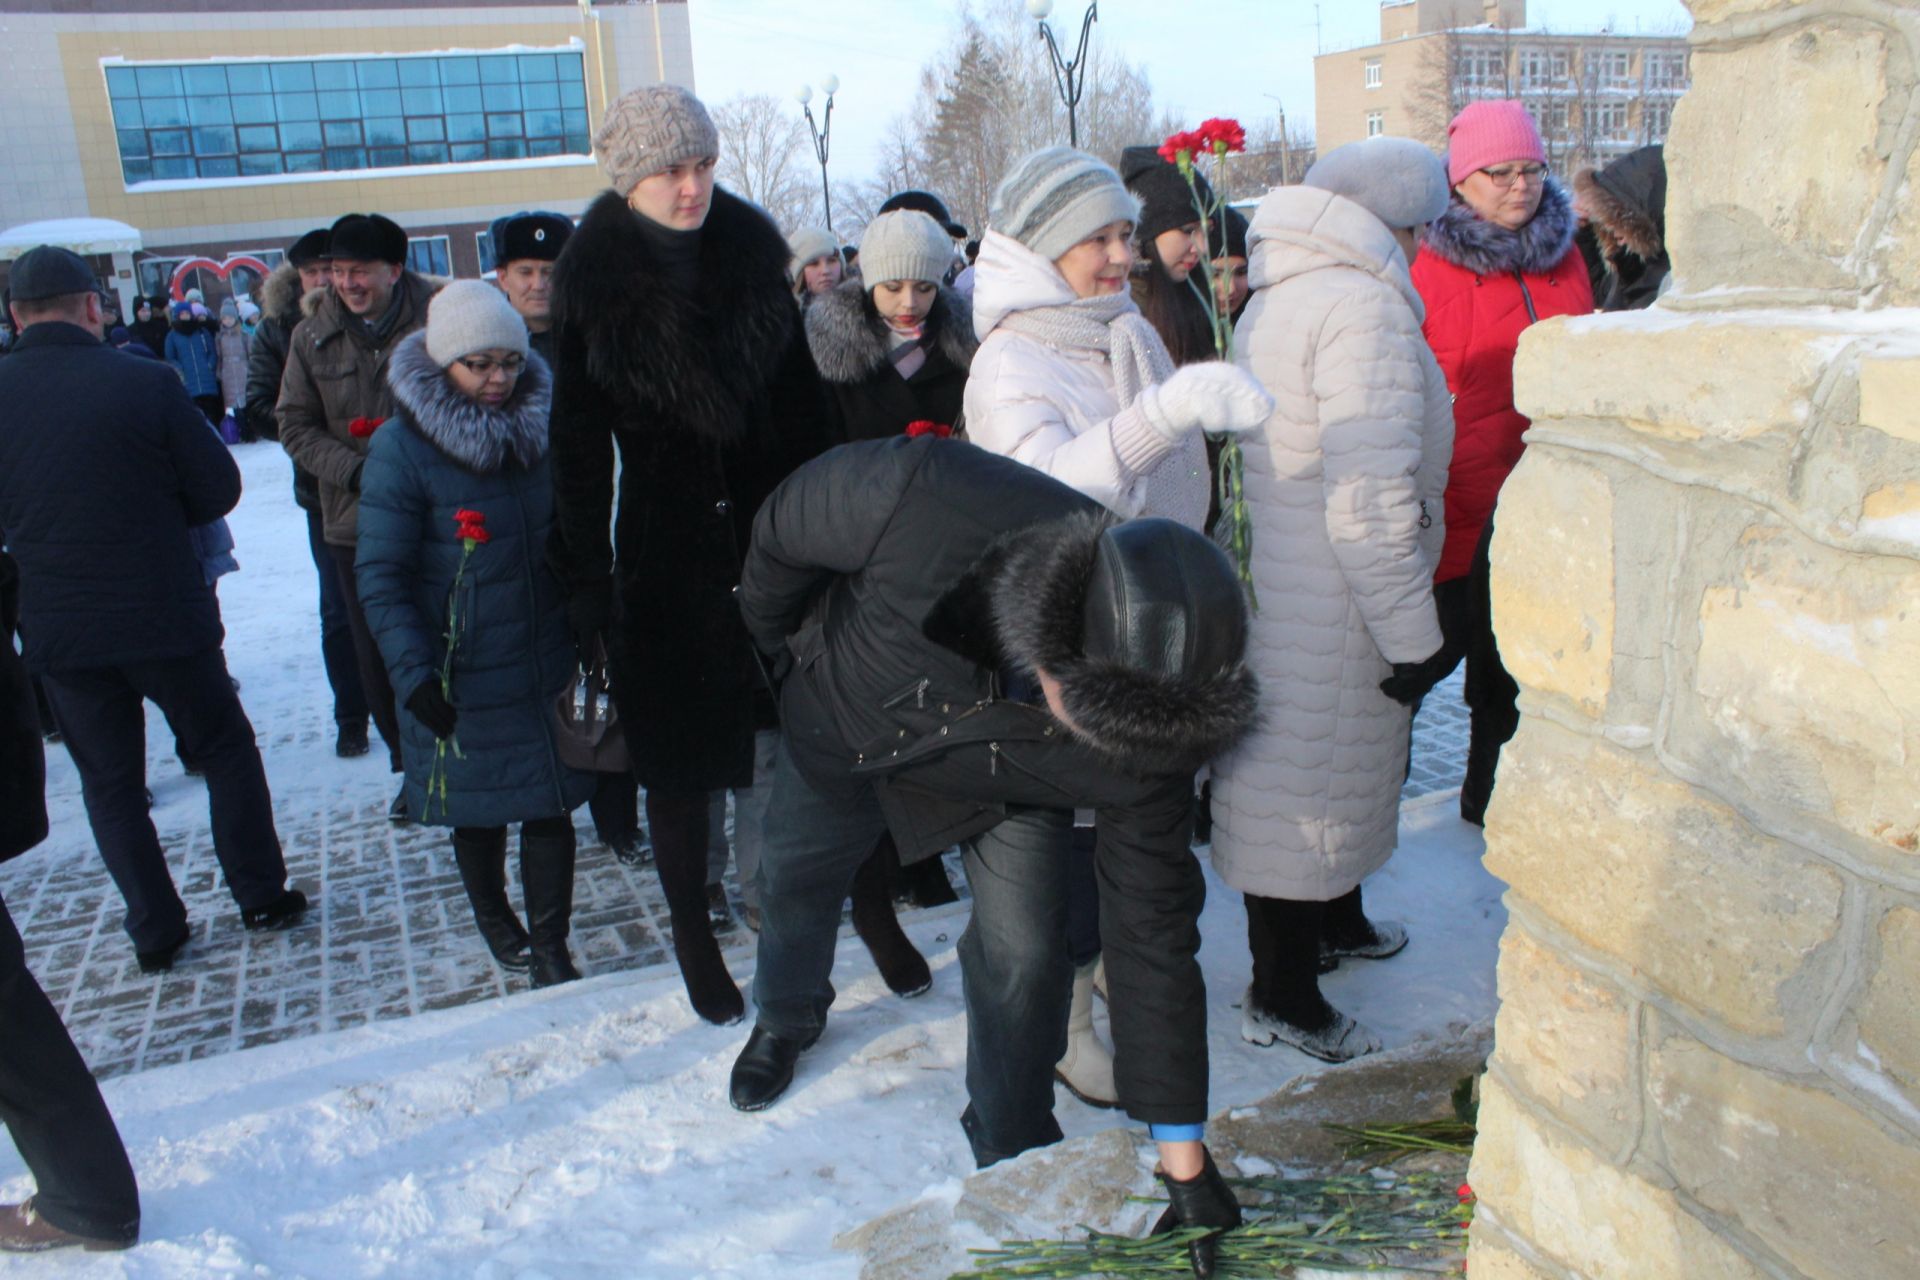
(587, 733)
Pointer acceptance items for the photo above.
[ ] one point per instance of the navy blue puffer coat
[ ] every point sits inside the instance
(441, 454)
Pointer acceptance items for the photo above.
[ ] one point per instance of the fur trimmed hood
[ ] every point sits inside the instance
(281, 298)
(1036, 582)
(849, 347)
(677, 360)
(1626, 202)
(1463, 238)
(466, 431)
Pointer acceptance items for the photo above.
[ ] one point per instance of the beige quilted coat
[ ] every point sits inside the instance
(1344, 485)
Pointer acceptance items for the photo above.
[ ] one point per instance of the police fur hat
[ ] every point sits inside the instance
(1144, 625)
(539, 235)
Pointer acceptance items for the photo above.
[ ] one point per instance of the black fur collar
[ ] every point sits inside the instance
(1466, 240)
(848, 345)
(693, 361)
(466, 431)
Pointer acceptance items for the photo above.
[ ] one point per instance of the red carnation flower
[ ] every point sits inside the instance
(1178, 142)
(1221, 135)
(1464, 1191)
(467, 515)
(923, 427)
(472, 525)
(361, 428)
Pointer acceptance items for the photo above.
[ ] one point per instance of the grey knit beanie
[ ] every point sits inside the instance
(1057, 197)
(469, 316)
(809, 243)
(905, 245)
(1397, 180)
(652, 128)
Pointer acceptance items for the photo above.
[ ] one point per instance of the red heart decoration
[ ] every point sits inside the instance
(176, 286)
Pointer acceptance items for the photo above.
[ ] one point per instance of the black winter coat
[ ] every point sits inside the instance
(23, 758)
(1625, 239)
(711, 400)
(868, 399)
(280, 311)
(871, 573)
(105, 464)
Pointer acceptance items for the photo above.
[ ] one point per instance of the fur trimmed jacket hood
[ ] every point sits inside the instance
(1465, 239)
(469, 433)
(1625, 237)
(689, 357)
(281, 298)
(848, 342)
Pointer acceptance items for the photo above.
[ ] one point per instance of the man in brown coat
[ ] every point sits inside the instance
(334, 396)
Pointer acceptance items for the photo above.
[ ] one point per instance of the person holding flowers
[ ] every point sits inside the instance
(456, 506)
(1344, 489)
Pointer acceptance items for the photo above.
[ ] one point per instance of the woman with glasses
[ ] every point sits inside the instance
(456, 504)
(1500, 258)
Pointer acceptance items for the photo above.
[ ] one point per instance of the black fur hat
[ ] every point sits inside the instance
(368, 237)
(310, 248)
(1144, 625)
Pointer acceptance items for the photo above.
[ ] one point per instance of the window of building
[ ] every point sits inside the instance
(483, 245)
(1610, 121)
(1376, 123)
(1373, 73)
(1483, 68)
(1542, 69)
(260, 118)
(1615, 69)
(1656, 120)
(1666, 71)
(430, 256)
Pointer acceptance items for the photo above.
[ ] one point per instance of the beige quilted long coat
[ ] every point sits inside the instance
(1344, 484)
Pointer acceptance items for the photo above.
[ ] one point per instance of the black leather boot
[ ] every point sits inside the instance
(546, 876)
(483, 870)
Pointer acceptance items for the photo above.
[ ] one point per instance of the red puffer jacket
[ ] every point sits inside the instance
(1482, 285)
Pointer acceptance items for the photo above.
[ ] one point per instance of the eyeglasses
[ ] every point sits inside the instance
(1504, 176)
(483, 366)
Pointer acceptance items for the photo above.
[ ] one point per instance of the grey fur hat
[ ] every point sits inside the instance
(1397, 180)
(652, 128)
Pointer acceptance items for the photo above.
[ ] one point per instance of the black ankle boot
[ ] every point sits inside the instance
(899, 961)
(483, 870)
(709, 986)
(546, 877)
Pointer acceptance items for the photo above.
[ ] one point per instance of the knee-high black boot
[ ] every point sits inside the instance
(546, 876)
(899, 961)
(481, 855)
(678, 821)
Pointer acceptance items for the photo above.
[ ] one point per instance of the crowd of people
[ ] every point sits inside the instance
(904, 548)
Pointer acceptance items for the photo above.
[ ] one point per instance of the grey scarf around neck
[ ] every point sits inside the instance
(1109, 323)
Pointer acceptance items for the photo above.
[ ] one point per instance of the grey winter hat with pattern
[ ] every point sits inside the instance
(1057, 197)
(652, 128)
(1397, 180)
(905, 245)
(469, 316)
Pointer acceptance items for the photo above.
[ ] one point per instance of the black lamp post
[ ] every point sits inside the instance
(821, 134)
(1069, 77)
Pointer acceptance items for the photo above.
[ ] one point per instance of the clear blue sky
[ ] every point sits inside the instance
(1205, 57)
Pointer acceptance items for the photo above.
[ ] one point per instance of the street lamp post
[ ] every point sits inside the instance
(821, 134)
(1069, 77)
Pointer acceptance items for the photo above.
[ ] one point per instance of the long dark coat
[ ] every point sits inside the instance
(444, 453)
(105, 465)
(711, 399)
(868, 399)
(23, 760)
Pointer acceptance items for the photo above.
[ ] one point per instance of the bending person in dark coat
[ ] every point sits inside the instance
(972, 650)
(677, 342)
(105, 467)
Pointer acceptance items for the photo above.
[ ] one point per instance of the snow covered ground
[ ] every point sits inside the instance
(584, 1132)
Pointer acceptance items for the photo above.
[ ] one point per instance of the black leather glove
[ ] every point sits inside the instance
(431, 708)
(589, 615)
(1203, 1201)
(1412, 681)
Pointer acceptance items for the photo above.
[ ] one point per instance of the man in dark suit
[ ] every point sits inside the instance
(48, 1099)
(105, 466)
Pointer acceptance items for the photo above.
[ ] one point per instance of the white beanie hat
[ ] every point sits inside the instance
(905, 245)
(809, 243)
(1057, 197)
(469, 316)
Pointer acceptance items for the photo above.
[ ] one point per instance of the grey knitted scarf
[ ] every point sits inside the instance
(1109, 323)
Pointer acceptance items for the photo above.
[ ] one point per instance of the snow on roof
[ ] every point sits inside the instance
(82, 235)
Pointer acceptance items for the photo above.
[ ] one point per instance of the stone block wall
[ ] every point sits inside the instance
(1707, 582)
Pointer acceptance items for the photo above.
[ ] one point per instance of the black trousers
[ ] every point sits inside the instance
(54, 1111)
(373, 668)
(615, 805)
(100, 715)
(337, 649)
(1465, 606)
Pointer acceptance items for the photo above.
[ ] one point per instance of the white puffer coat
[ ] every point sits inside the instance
(1055, 408)
(1344, 486)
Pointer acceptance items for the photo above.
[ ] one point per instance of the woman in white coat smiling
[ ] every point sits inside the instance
(1344, 487)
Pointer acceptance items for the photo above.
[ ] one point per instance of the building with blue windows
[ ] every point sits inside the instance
(220, 130)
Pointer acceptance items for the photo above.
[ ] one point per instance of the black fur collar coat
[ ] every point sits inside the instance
(711, 398)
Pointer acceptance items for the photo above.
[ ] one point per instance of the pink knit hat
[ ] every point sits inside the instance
(1491, 133)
